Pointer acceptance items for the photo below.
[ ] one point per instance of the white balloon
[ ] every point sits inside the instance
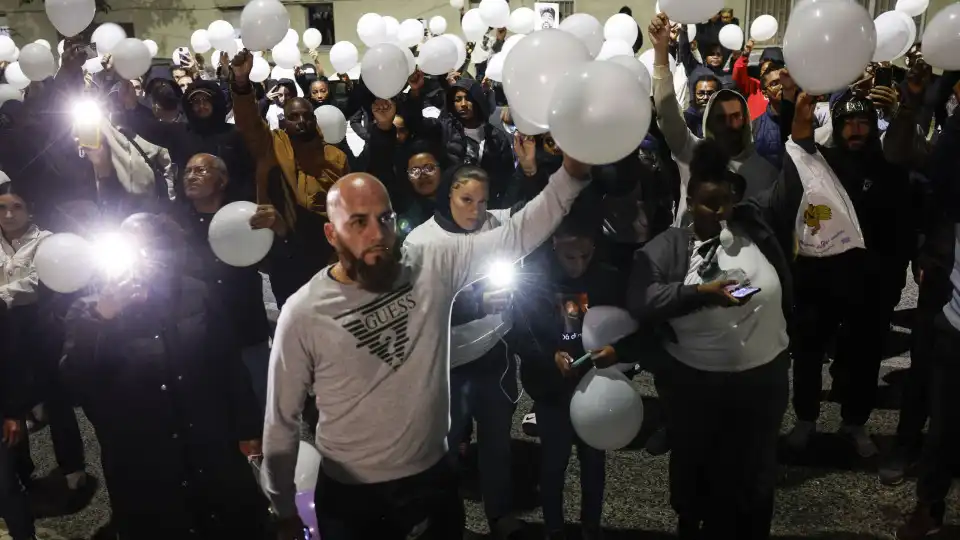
(411, 59)
(762, 28)
(131, 58)
(606, 325)
(941, 39)
(496, 13)
(106, 36)
(587, 29)
(437, 25)
(437, 56)
(70, 17)
(410, 33)
(456, 4)
(8, 92)
(343, 56)
(152, 47)
(495, 67)
(836, 29)
(461, 49)
(391, 28)
(731, 37)
(638, 69)
(286, 55)
(692, 32)
(621, 27)
(64, 262)
(260, 70)
(291, 37)
(911, 27)
(7, 49)
(15, 76)
(690, 11)
(264, 24)
(524, 126)
(37, 62)
(605, 410)
(510, 43)
(308, 468)
(312, 38)
(535, 67)
(332, 123)
(279, 73)
(473, 26)
(913, 8)
(200, 41)
(232, 239)
(591, 127)
(93, 65)
(371, 29)
(615, 47)
(892, 36)
(45, 43)
(522, 20)
(385, 70)
(220, 30)
(647, 60)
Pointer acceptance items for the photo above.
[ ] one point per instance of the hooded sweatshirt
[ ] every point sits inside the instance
(757, 171)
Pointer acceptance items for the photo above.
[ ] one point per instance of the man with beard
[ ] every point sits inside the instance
(295, 169)
(704, 88)
(370, 335)
(726, 121)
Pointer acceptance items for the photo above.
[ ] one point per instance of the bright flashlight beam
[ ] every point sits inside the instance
(114, 254)
(86, 112)
(501, 274)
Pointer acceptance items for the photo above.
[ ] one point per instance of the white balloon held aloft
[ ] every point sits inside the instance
(307, 469)
(343, 56)
(93, 65)
(437, 56)
(45, 43)
(332, 123)
(535, 67)
(911, 27)
(495, 67)
(690, 11)
(264, 24)
(510, 43)
(63, 262)
(37, 62)
(260, 70)
(312, 38)
(913, 8)
(587, 29)
(941, 39)
(291, 37)
(762, 28)
(410, 33)
(840, 30)
(279, 73)
(233, 240)
(15, 76)
(131, 58)
(473, 26)
(70, 17)
(692, 32)
(638, 70)
(613, 48)
(391, 28)
(371, 29)
(731, 37)
(219, 32)
(606, 325)
(231, 47)
(456, 4)
(437, 25)
(106, 36)
(461, 49)
(286, 55)
(496, 13)
(8, 92)
(152, 47)
(647, 60)
(411, 60)
(200, 42)
(591, 127)
(605, 410)
(621, 27)
(7, 49)
(385, 70)
(525, 127)
(522, 20)
(892, 35)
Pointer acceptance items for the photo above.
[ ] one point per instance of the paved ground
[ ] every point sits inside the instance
(829, 495)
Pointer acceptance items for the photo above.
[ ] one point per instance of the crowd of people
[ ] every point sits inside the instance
(395, 350)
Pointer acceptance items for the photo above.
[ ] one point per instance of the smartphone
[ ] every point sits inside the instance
(744, 292)
(87, 134)
(883, 76)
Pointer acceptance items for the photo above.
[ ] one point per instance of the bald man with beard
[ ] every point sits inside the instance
(370, 335)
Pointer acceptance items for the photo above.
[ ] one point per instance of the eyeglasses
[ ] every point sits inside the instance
(417, 172)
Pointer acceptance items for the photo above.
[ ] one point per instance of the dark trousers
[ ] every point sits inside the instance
(425, 506)
(941, 451)
(14, 506)
(935, 290)
(723, 436)
(481, 390)
(65, 434)
(556, 440)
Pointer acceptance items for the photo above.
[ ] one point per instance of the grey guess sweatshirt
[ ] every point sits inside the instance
(379, 363)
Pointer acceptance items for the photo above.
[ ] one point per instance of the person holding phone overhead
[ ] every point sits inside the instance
(720, 291)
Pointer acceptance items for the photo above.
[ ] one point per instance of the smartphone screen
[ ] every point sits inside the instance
(88, 135)
(744, 292)
(883, 76)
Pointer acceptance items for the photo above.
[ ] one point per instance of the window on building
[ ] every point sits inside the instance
(320, 16)
(567, 7)
(781, 9)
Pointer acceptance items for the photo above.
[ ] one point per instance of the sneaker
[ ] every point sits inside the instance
(861, 440)
(925, 521)
(658, 444)
(529, 425)
(799, 436)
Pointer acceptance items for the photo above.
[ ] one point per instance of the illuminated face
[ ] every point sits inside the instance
(319, 91)
(202, 179)
(184, 82)
(462, 105)
(424, 174)
(298, 119)
(573, 254)
(468, 203)
(14, 217)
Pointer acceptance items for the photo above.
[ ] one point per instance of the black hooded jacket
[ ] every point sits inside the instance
(211, 135)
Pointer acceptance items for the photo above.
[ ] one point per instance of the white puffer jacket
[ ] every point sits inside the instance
(135, 174)
(18, 282)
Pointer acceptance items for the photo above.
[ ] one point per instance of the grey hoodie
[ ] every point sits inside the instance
(757, 171)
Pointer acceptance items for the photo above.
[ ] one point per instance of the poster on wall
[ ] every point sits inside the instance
(548, 15)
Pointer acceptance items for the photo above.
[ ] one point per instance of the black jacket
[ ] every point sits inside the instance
(14, 377)
(164, 386)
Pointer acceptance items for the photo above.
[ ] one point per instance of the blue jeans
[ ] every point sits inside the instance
(257, 359)
(556, 439)
(480, 390)
(14, 507)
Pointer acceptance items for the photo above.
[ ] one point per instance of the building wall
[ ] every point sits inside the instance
(171, 22)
